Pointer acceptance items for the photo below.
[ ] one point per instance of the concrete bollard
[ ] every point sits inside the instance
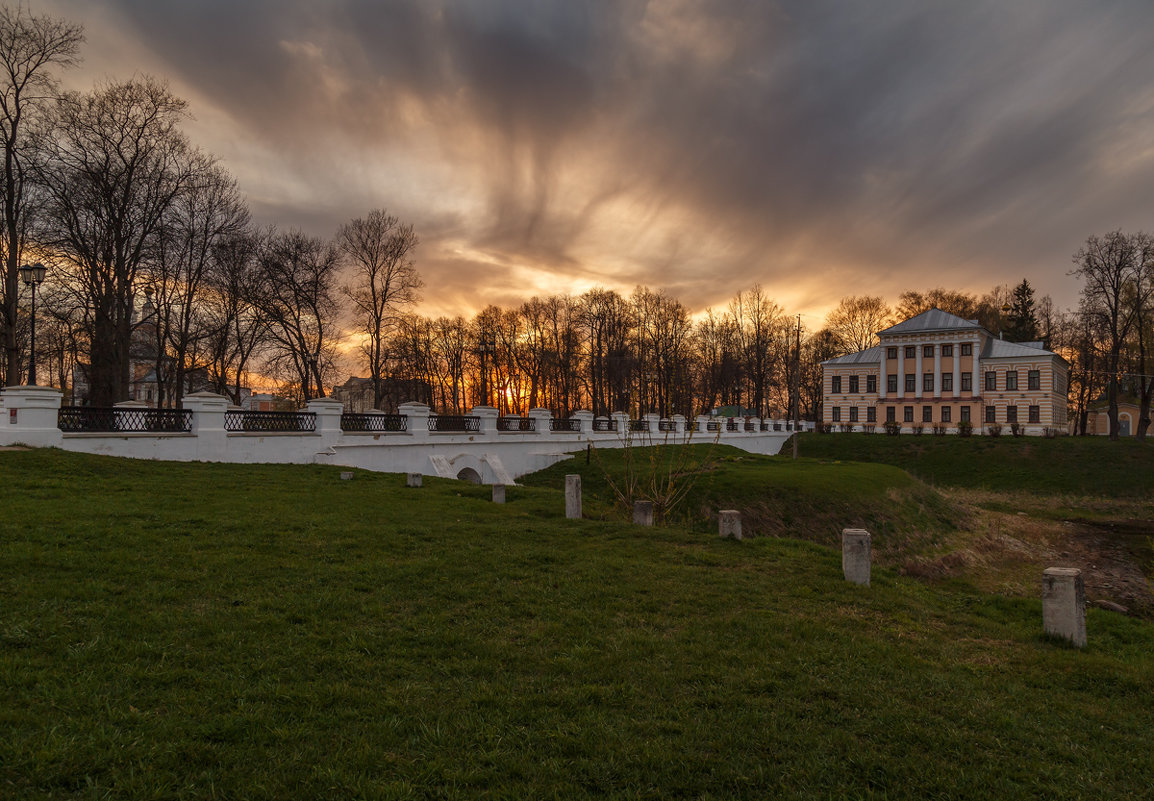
(729, 523)
(346, 475)
(855, 555)
(643, 513)
(413, 480)
(573, 496)
(498, 493)
(1064, 604)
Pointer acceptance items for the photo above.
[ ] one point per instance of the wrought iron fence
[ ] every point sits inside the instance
(454, 422)
(605, 425)
(777, 426)
(691, 425)
(75, 419)
(270, 422)
(730, 425)
(713, 425)
(638, 425)
(564, 424)
(374, 422)
(666, 425)
(750, 426)
(516, 424)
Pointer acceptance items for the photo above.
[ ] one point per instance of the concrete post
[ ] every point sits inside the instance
(855, 555)
(678, 425)
(543, 417)
(729, 524)
(622, 423)
(498, 493)
(654, 421)
(208, 410)
(488, 415)
(418, 419)
(328, 414)
(32, 417)
(643, 513)
(703, 426)
(413, 480)
(1064, 604)
(573, 496)
(585, 419)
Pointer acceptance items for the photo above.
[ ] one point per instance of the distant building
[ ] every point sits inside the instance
(1098, 418)
(357, 394)
(264, 402)
(937, 369)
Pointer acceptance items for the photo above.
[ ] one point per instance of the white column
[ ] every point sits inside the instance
(976, 388)
(918, 371)
(901, 370)
(208, 411)
(957, 369)
(884, 375)
(32, 414)
(938, 370)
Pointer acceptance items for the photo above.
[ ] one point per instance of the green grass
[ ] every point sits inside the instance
(1063, 465)
(228, 631)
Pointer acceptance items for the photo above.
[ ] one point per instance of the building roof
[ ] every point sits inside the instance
(931, 320)
(1001, 349)
(868, 356)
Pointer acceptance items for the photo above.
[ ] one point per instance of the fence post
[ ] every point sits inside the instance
(543, 418)
(488, 415)
(418, 419)
(32, 414)
(328, 412)
(208, 411)
(1064, 604)
(855, 555)
(573, 496)
(584, 419)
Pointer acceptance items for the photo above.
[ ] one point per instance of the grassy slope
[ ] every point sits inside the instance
(1065, 465)
(199, 631)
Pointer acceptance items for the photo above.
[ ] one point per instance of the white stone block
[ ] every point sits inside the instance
(346, 475)
(855, 555)
(1064, 604)
(573, 496)
(643, 513)
(413, 480)
(729, 524)
(498, 493)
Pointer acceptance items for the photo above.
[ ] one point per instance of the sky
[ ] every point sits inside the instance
(817, 148)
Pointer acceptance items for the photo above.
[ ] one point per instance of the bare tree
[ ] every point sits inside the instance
(115, 163)
(30, 47)
(297, 279)
(237, 322)
(378, 248)
(856, 320)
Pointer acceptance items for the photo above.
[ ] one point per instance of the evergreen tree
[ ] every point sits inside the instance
(1022, 322)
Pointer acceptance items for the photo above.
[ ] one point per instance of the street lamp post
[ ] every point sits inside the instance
(33, 275)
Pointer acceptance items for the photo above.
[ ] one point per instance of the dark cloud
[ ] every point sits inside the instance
(818, 148)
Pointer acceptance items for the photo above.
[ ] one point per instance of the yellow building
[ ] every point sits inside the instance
(938, 370)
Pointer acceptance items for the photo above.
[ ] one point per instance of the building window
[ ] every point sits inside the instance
(927, 414)
(991, 414)
(1011, 379)
(836, 412)
(927, 351)
(964, 414)
(871, 415)
(1035, 414)
(991, 381)
(967, 382)
(891, 383)
(853, 414)
(871, 383)
(891, 353)
(1011, 414)
(911, 352)
(967, 349)
(908, 413)
(835, 385)
(947, 414)
(947, 382)
(911, 383)
(891, 414)
(854, 384)
(1034, 379)
(947, 350)
(928, 382)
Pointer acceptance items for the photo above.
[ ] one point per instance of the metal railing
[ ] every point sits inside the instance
(374, 422)
(750, 426)
(713, 425)
(270, 422)
(78, 419)
(516, 424)
(565, 424)
(730, 425)
(691, 425)
(638, 425)
(454, 422)
(666, 425)
(605, 425)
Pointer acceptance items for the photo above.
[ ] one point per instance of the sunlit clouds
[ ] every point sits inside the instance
(819, 149)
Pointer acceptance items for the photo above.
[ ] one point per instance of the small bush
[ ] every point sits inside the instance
(918, 430)
(939, 430)
(868, 428)
(965, 428)
(823, 428)
(893, 429)
(1017, 429)
(846, 427)
(994, 430)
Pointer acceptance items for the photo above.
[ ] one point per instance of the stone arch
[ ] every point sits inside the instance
(469, 474)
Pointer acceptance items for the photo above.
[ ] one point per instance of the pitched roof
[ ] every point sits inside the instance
(931, 320)
(1001, 349)
(868, 356)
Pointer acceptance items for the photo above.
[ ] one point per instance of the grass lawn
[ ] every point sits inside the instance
(1063, 465)
(267, 632)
